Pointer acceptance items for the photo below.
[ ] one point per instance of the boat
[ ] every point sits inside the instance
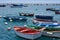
(44, 17)
(18, 5)
(52, 9)
(14, 18)
(55, 34)
(2, 5)
(26, 14)
(27, 33)
(50, 31)
(43, 21)
(57, 12)
(54, 25)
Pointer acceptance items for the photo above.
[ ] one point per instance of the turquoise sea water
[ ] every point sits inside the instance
(40, 9)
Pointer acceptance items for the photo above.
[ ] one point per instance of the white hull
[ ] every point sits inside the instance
(29, 36)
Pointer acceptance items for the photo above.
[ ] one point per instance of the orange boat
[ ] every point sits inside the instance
(27, 33)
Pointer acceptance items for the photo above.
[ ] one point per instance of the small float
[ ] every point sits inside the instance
(6, 23)
(9, 28)
(0, 16)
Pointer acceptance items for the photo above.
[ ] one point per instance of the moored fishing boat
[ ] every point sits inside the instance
(44, 17)
(27, 33)
(42, 20)
(2, 5)
(54, 25)
(26, 14)
(52, 9)
(50, 31)
(14, 18)
(57, 12)
(18, 5)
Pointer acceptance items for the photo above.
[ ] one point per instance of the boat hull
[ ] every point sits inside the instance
(54, 34)
(28, 36)
(44, 17)
(43, 21)
(52, 9)
(26, 14)
(57, 12)
(15, 18)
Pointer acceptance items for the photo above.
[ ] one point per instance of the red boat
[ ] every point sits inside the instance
(42, 20)
(57, 12)
(27, 33)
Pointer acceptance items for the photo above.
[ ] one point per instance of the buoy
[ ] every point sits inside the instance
(49, 32)
(9, 28)
(6, 23)
(25, 25)
(0, 16)
(20, 18)
(4, 16)
(11, 20)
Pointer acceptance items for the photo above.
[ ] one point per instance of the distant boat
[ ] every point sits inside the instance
(52, 9)
(14, 18)
(2, 5)
(43, 21)
(27, 33)
(26, 14)
(57, 12)
(44, 17)
(16, 5)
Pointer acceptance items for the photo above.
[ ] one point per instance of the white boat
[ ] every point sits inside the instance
(27, 33)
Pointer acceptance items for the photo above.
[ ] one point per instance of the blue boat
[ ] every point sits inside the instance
(44, 17)
(54, 25)
(14, 18)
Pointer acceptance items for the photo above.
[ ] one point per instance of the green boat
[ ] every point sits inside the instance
(47, 28)
(50, 32)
